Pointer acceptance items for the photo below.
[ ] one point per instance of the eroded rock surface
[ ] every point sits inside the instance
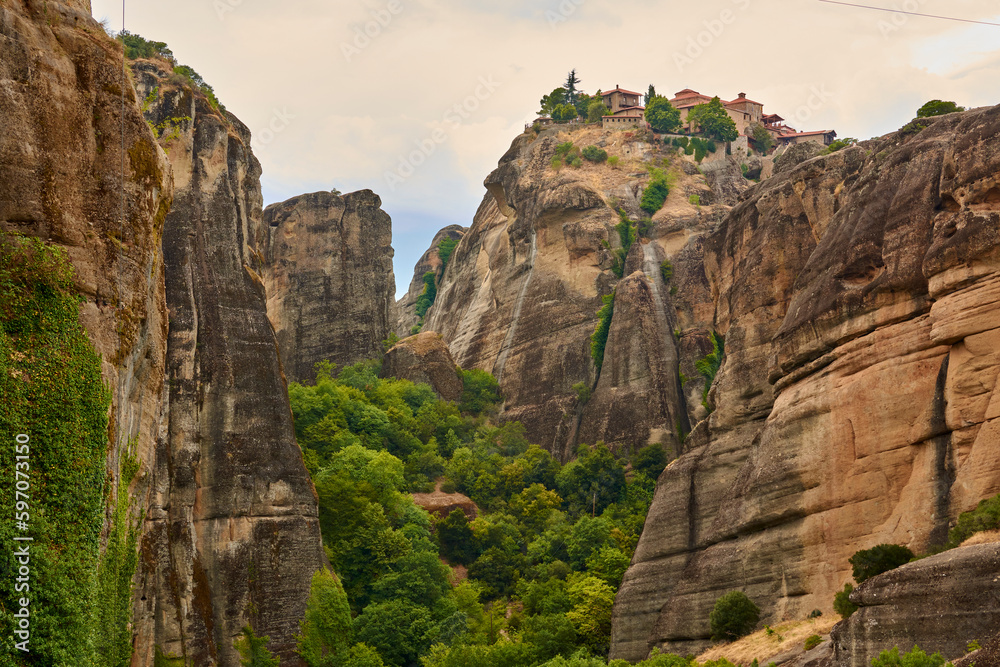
(232, 533)
(858, 295)
(425, 358)
(522, 290)
(406, 314)
(327, 268)
(943, 603)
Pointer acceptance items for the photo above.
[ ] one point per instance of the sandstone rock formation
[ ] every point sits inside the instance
(425, 358)
(406, 315)
(61, 180)
(856, 405)
(943, 603)
(232, 532)
(522, 290)
(327, 269)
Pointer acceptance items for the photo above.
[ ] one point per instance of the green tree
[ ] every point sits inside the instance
(915, 658)
(253, 650)
(609, 564)
(445, 248)
(734, 616)
(564, 112)
(398, 629)
(594, 154)
(480, 391)
(591, 482)
(549, 102)
(570, 86)
(937, 108)
(596, 111)
(326, 628)
(592, 600)
(840, 143)
(655, 194)
(712, 119)
(762, 139)
(650, 94)
(456, 538)
(842, 601)
(662, 116)
(986, 516)
(650, 460)
(363, 655)
(868, 563)
(550, 635)
(709, 366)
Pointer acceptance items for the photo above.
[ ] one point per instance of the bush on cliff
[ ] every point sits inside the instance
(986, 516)
(868, 563)
(842, 602)
(480, 391)
(594, 154)
(599, 339)
(734, 616)
(326, 628)
(915, 658)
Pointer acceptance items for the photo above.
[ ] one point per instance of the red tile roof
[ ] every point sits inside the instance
(687, 92)
(605, 93)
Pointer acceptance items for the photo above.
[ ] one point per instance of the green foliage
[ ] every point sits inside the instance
(812, 641)
(599, 339)
(567, 150)
(428, 295)
(842, 602)
(650, 460)
(570, 87)
(564, 112)
(614, 160)
(627, 234)
(594, 154)
(326, 628)
(556, 164)
(117, 568)
(695, 199)
(937, 108)
(399, 630)
(591, 600)
(549, 102)
(390, 342)
(592, 482)
(734, 616)
(662, 116)
(913, 127)
(480, 391)
(253, 650)
(363, 655)
(712, 119)
(838, 144)
(915, 658)
(762, 139)
(655, 193)
(710, 364)
(868, 563)
(52, 389)
(582, 391)
(986, 516)
(445, 248)
(137, 47)
(972, 646)
(194, 79)
(161, 659)
(456, 539)
(576, 163)
(596, 111)
(679, 142)
(667, 270)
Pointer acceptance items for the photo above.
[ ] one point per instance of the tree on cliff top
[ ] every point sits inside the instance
(938, 108)
(662, 116)
(713, 120)
(868, 563)
(570, 86)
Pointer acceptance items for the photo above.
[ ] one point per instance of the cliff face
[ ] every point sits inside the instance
(232, 534)
(856, 403)
(327, 268)
(61, 180)
(522, 290)
(406, 308)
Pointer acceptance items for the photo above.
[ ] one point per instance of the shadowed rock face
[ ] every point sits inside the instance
(858, 293)
(424, 358)
(521, 292)
(941, 603)
(232, 534)
(406, 315)
(327, 267)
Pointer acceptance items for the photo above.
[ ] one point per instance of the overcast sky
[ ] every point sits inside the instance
(418, 99)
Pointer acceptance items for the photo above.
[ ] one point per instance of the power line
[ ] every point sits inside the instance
(900, 11)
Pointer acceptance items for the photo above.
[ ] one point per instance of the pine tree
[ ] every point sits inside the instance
(570, 86)
(650, 94)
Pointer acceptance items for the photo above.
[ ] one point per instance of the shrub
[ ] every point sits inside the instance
(138, 47)
(326, 628)
(812, 641)
(655, 193)
(253, 650)
(564, 149)
(576, 163)
(695, 199)
(667, 270)
(445, 248)
(734, 616)
(426, 298)
(594, 154)
(868, 563)
(709, 366)
(838, 144)
(599, 339)
(596, 110)
(480, 391)
(681, 142)
(583, 392)
(986, 516)
(938, 108)
(556, 163)
(915, 658)
(842, 602)
(613, 160)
